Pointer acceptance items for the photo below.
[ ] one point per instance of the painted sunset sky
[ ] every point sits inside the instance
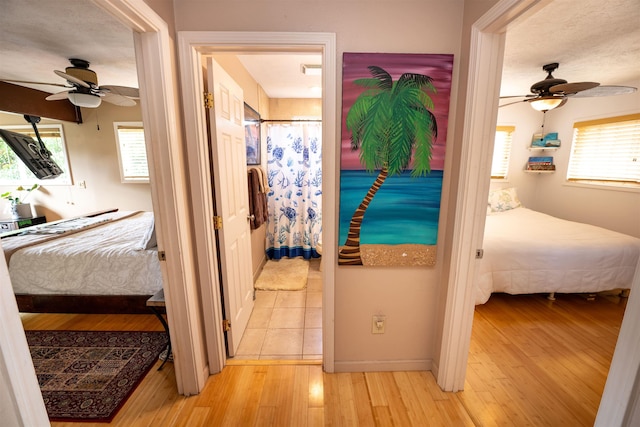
(437, 66)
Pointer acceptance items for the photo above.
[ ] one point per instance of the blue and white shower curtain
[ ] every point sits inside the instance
(294, 173)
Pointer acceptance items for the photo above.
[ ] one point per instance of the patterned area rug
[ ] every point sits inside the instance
(287, 274)
(88, 375)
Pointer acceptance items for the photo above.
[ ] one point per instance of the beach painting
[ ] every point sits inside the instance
(394, 130)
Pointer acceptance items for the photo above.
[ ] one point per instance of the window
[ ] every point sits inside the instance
(606, 151)
(502, 152)
(132, 153)
(13, 171)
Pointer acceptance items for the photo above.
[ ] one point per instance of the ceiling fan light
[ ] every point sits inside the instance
(84, 100)
(546, 104)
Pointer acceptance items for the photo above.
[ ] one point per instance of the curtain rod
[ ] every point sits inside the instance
(289, 121)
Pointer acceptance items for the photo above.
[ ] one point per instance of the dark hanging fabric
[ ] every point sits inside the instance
(257, 199)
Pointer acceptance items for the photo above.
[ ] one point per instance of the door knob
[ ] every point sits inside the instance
(251, 217)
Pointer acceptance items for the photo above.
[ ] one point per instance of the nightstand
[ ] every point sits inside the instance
(15, 224)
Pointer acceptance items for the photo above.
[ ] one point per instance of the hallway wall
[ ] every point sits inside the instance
(408, 296)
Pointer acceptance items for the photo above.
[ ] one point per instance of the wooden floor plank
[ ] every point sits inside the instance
(532, 362)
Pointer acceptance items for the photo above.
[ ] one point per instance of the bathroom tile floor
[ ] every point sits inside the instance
(286, 324)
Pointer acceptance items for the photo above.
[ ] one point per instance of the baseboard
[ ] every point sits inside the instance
(383, 365)
(434, 369)
(256, 273)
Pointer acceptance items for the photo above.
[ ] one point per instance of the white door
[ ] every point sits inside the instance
(231, 200)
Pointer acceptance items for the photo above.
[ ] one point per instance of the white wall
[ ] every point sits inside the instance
(608, 207)
(408, 296)
(93, 158)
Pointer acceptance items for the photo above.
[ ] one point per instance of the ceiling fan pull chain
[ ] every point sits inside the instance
(544, 116)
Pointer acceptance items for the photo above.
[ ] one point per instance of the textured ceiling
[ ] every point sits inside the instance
(593, 40)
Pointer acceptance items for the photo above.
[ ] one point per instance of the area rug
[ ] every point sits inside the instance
(88, 375)
(288, 274)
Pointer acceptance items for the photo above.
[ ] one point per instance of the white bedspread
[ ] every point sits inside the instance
(104, 260)
(531, 252)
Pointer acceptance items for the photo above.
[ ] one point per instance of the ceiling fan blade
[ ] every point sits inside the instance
(57, 96)
(71, 79)
(571, 88)
(511, 103)
(34, 83)
(517, 96)
(605, 90)
(129, 92)
(119, 100)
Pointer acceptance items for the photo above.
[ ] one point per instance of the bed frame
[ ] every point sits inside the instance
(83, 304)
(80, 304)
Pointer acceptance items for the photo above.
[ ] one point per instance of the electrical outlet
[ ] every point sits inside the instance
(378, 324)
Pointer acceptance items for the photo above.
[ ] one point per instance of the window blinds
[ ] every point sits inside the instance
(132, 153)
(502, 152)
(606, 150)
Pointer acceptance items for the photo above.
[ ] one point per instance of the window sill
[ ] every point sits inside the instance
(599, 185)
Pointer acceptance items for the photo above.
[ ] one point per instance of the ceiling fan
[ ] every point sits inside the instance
(83, 90)
(552, 93)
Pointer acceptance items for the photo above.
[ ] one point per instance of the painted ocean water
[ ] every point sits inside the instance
(404, 210)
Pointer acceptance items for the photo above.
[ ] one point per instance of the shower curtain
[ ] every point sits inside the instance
(294, 174)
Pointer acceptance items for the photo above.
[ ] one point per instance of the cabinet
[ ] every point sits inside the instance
(16, 224)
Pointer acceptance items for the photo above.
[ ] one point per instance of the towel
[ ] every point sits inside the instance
(262, 178)
(257, 200)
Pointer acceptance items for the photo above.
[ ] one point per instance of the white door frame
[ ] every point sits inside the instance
(481, 111)
(191, 46)
(154, 62)
(485, 65)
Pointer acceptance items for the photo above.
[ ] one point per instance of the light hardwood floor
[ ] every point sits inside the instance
(532, 363)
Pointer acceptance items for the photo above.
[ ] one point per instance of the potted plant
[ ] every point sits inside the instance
(19, 207)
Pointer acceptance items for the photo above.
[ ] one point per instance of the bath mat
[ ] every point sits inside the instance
(88, 375)
(286, 274)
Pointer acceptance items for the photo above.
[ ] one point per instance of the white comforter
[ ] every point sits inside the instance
(106, 260)
(530, 252)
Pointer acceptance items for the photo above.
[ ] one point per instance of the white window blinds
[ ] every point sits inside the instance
(132, 152)
(502, 152)
(606, 150)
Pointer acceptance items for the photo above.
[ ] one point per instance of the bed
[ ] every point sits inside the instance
(100, 264)
(529, 252)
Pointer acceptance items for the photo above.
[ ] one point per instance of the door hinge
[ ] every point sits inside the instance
(226, 325)
(162, 256)
(217, 222)
(208, 100)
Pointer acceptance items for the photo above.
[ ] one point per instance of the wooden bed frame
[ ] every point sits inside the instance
(83, 304)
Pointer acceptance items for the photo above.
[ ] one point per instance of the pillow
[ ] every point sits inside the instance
(149, 239)
(503, 199)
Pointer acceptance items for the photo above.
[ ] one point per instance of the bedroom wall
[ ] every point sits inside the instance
(408, 296)
(93, 159)
(614, 208)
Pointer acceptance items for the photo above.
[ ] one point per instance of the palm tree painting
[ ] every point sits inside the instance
(395, 109)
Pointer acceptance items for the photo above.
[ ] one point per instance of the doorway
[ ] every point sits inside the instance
(285, 175)
(194, 46)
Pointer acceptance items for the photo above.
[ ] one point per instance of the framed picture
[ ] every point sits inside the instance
(252, 134)
(395, 159)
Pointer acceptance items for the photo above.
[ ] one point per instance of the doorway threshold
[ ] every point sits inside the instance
(271, 362)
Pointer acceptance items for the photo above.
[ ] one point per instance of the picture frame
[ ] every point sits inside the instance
(252, 134)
